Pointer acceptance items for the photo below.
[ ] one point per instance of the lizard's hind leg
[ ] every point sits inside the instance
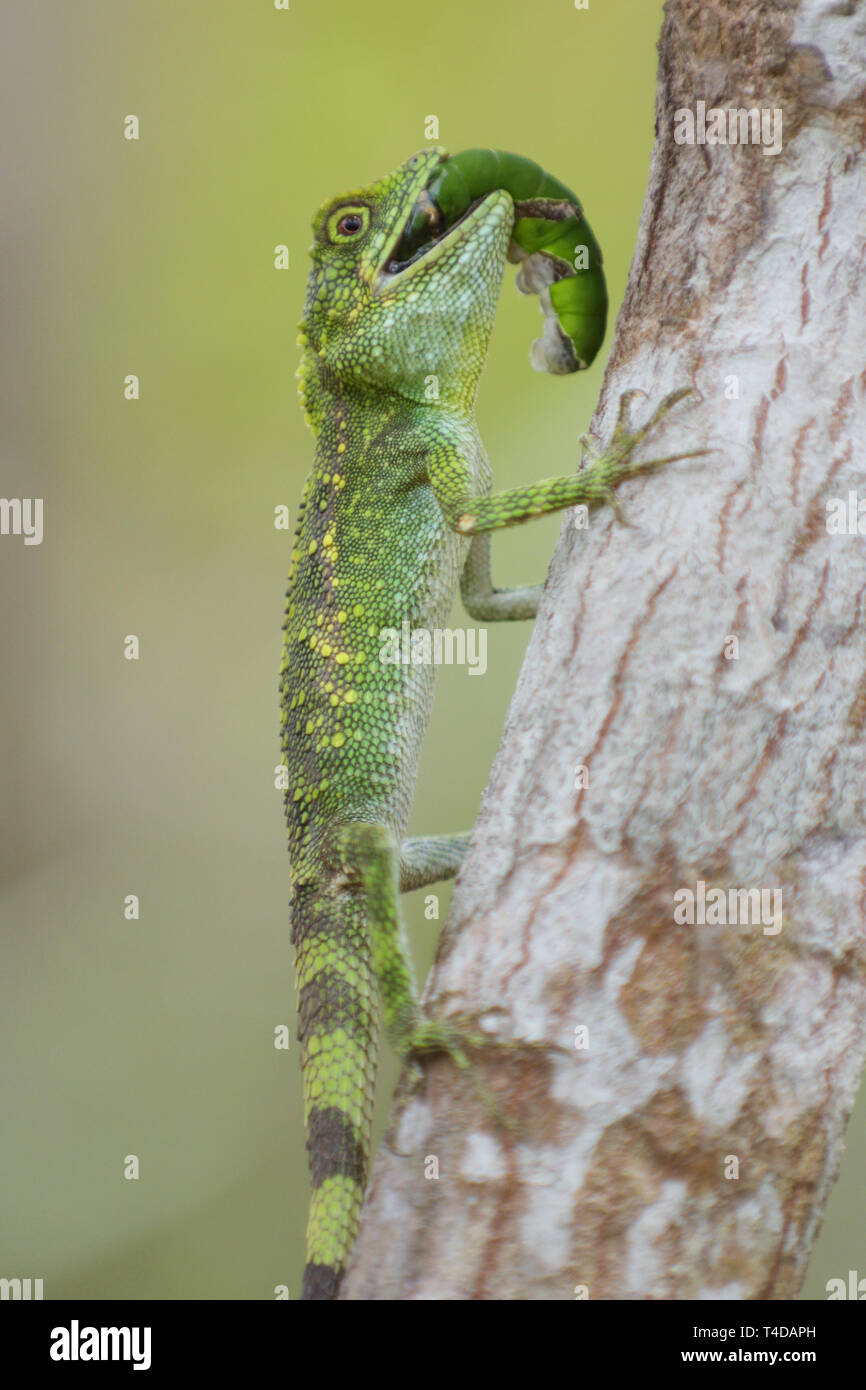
(370, 858)
(369, 855)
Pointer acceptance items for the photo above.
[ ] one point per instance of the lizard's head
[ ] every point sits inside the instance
(386, 308)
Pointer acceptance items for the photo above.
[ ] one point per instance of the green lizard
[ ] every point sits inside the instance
(396, 513)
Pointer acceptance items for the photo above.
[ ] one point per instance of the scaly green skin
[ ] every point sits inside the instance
(394, 515)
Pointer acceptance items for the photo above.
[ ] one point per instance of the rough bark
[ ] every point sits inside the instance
(706, 1042)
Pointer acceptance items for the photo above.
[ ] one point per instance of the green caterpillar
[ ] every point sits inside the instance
(559, 257)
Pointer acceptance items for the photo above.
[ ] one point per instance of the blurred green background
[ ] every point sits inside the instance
(155, 777)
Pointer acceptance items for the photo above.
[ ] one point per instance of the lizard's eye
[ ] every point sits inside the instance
(348, 223)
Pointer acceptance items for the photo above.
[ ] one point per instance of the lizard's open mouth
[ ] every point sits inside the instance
(426, 227)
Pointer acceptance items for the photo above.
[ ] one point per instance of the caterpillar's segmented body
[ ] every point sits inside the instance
(560, 259)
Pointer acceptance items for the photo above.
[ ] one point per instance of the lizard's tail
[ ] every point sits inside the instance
(338, 1035)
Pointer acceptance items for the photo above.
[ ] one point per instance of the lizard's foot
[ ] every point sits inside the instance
(455, 1039)
(442, 1035)
(616, 463)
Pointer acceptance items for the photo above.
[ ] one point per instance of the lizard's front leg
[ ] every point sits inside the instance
(595, 484)
(487, 604)
(431, 858)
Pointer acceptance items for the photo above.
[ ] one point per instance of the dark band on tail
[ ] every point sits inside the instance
(335, 1149)
(320, 1282)
(328, 1002)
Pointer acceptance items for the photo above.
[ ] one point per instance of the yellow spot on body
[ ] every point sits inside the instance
(337, 740)
(342, 658)
(313, 547)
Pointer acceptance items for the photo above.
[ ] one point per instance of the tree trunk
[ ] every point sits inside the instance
(707, 667)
